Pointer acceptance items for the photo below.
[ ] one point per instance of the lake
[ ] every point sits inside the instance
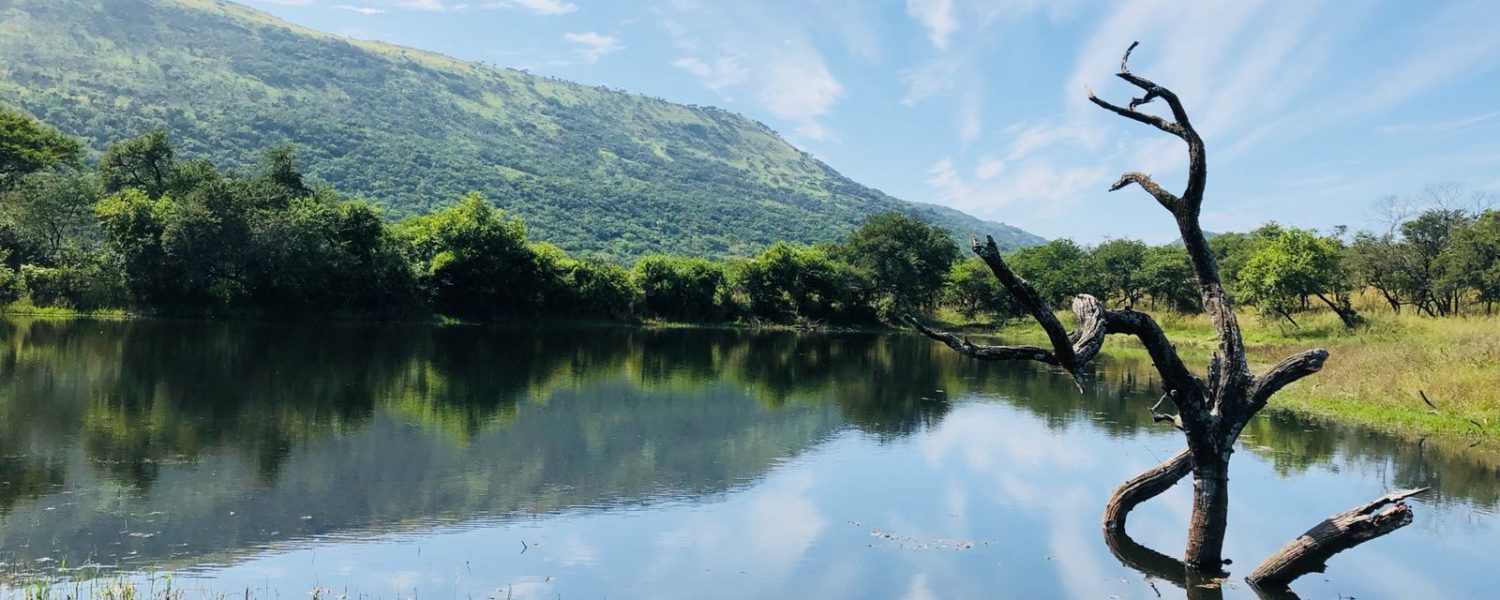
(416, 461)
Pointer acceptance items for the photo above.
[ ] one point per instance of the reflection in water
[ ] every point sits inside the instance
(177, 444)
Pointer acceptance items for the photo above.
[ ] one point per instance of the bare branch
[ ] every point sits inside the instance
(1285, 373)
(1167, 199)
(1134, 115)
(1028, 297)
(1145, 486)
(970, 349)
(1310, 552)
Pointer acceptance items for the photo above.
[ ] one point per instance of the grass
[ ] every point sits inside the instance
(1374, 375)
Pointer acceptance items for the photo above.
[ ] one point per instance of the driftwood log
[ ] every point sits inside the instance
(1309, 553)
(1211, 411)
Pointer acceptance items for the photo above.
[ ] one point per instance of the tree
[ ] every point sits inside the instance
(973, 291)
(1472, 261)
(1168, 278)
(473, 259)
(1375, 261)
(133, 224)
(1294, 265)
(145, 162)
(51, 209)
(786, 282)
(279, 170)
(907, 258)
(28, 146)
(680, 287)
(1426, 238)
(1119, 264)
(1211, 411)
(1057, 269)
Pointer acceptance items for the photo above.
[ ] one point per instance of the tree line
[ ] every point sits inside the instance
(147, 230)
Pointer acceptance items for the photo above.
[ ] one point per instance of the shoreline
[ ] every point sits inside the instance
(1445, 359)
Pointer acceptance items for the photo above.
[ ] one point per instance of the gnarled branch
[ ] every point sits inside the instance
(981, 352)
(1145, 486)
(1167, 199)
(1310, 552)
(1285, 373)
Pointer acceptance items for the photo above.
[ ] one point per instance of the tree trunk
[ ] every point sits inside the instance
(1344, 312)
(1311, 550)
(1205, 546)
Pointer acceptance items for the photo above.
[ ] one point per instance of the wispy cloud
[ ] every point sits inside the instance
(594, 46)
(937, 17)
(726, 48)
(1443, 126)
(364, 10)
(538, 7)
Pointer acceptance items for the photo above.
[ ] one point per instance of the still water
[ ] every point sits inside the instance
(471, 462)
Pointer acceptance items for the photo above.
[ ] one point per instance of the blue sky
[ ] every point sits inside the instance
(1312, 109)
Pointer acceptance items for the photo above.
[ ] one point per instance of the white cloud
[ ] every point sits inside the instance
(929, 79)
(364, 10)
(538, 7)
(798, 87)
(751, 49)
(594, 45)
(999, 186)
(724, 72)
(935, 15)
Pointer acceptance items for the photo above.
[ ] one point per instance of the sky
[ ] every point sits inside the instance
(1312, 111)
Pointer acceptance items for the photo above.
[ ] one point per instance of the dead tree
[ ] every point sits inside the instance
(1210, 411)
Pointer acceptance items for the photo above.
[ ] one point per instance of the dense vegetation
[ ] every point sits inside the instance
(149, 230)
(589, 169)
(153, 231)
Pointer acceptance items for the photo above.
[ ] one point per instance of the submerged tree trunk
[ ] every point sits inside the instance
(1309, 553)
(1210, 411)
(1210, 517)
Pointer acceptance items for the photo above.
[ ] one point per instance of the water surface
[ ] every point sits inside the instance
(487, 462)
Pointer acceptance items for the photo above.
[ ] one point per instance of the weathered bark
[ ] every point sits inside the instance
(1144, 487)
(1309, 553)
(1211, 412)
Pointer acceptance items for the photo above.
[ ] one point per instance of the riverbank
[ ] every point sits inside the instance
(1375, 376)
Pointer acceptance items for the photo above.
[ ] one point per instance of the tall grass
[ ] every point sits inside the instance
(1374, 375)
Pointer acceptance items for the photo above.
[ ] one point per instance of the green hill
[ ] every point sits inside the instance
(590, 169)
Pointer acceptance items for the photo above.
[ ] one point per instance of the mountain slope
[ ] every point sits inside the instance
(590, 169)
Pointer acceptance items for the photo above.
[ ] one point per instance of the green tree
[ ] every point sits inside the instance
(133, 224)
(680, 287)
(1376, 261)
(909, 259)
(1297, 263)
(29, 146)
(50, 210)
(972, 290)
(1119, 264)
(146, 162)
(1472, 261)
(1168, 278)
(1426, 238)
(1057, 269)
(473, 259)
(786, 282)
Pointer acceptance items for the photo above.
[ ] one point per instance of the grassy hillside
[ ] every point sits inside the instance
(590, 169)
